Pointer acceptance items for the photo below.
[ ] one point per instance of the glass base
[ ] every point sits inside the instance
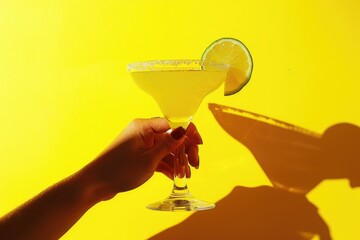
(181, 202)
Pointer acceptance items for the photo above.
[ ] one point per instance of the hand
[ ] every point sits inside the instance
(190, 148)
(143, 147)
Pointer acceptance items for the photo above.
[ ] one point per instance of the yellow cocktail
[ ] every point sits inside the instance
(179, 90)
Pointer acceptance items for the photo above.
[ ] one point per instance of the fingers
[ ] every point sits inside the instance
(182, 165)
(168, 142)
(166, 166)
(158, 125)
(166, 169)
(188, 171)
(193, 139)
(193, 155)
(193, 135)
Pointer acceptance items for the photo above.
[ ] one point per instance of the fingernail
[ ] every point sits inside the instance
(178, 133)
(198, 163)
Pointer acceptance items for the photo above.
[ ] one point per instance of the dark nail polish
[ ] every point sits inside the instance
(178, 133)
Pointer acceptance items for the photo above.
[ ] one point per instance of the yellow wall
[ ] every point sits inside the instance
(65, 93)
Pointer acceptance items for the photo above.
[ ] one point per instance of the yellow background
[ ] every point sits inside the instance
(65, 94)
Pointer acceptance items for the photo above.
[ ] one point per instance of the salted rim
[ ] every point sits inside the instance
(176, 65)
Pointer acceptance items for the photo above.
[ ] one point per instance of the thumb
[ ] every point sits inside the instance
(169, 143)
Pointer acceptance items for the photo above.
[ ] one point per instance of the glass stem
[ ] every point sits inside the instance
(180, 164)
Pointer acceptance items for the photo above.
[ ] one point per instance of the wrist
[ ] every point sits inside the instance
(93, 189)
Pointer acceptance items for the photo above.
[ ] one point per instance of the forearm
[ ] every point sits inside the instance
(53, 212)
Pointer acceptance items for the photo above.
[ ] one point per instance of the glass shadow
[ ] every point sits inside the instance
(253, 214)
(294, 158)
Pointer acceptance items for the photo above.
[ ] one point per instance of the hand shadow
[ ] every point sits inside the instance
(294, 158)
(253, 214)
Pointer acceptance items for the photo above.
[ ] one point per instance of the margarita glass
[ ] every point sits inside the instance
(178, 87)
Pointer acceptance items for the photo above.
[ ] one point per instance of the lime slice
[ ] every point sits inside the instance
(234, 53)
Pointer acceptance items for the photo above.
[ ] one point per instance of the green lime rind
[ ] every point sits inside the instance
(229, 59)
